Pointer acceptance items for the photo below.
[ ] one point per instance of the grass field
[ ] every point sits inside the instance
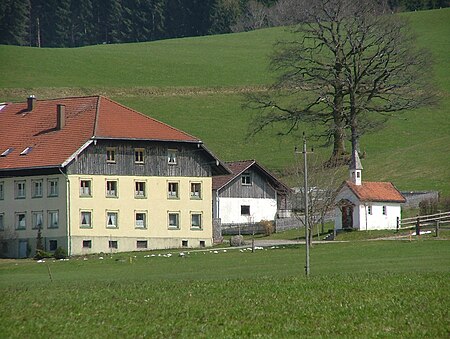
(196, 83)
(367, 289)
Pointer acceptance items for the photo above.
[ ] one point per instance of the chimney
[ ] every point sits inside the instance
(31, 101)
(60, 116)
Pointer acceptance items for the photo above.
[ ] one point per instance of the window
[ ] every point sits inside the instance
(53, 245)
(384, 210)
(37, 188)
(245, 210)
(2, 191)
(113, 244)
(174, 220)
(110, 154)
(111, 189)
(37, 219)
(141, 244)
(2, 221)
(173, 190)
(20, 189)
(139, 189)
(202, 243)
(21, 221)
(246, 179)
(86, 219)
(140, 220)
(172, 156)
(369, 210)
(26, 151)
(196, 190)
(6, 152)
(196, 221)
(111, 219)
(85, 188)
(53, 187)
(184, 243)
(139, 155)
(87, 243)
(53, 219)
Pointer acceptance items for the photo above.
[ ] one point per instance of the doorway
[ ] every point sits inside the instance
(347, 216)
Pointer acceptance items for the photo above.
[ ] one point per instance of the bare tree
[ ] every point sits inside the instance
(323, 183)
(255, 16)
(349, 67)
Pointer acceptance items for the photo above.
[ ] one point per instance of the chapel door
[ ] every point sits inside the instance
(347, 217)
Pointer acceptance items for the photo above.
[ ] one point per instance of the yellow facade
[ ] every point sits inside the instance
(137, 218)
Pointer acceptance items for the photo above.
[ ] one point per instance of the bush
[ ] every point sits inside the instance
(41, 254)
(60, 253)
(428, 206)
(237, 240)
(268, 226)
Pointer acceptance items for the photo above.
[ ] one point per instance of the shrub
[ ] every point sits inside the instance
(41, 254)
(60, 253)
(428, 206)
(268, 226)
(237, 240)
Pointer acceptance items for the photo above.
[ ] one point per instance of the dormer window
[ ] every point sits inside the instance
(26, 150)
(246, 178)
(6, 152)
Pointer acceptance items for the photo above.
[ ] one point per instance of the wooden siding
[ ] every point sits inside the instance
(191, 160)
(259, 189)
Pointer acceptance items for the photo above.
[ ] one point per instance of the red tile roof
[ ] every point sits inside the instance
(376, 191)
(86, 118)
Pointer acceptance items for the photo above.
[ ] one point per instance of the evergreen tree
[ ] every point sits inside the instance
(14, 22)
(82, 28)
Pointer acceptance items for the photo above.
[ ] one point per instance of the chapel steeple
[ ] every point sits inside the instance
(355, 169)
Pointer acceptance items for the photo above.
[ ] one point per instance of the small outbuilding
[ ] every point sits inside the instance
(364, 205)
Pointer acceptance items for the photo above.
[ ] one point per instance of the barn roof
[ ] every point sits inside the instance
(239, 167)
(34, 128)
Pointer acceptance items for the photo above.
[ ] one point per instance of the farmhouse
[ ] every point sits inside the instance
(249, 194)
(96, 176)
(364, 205)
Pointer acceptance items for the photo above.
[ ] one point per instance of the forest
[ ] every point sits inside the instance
(75, 23)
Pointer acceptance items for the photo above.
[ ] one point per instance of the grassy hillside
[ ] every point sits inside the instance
(195, 84)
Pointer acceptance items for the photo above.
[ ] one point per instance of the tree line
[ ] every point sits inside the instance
(74, 23)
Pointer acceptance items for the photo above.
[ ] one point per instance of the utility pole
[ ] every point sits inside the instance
(306, 195)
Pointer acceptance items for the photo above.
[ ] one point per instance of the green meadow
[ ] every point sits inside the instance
(360, 289)
(196, 84)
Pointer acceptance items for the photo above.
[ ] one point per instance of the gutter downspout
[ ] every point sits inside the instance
(69, 247)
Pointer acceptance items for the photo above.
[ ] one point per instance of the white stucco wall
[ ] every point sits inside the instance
(260, 209)
(362, 219)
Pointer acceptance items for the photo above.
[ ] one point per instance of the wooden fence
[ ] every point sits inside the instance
(435, 221)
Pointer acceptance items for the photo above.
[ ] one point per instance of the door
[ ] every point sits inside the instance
(347, 217)
(23, 244)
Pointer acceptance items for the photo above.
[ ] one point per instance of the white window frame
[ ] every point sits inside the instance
(246, 179)
(171, 193)
(178, 221)
(20, 223)
(37, 193)
(200, 223)
(85, 191)
(51, 216)
(34, 219)
(110, 193)
(111, 155)
(137, 191)
(20, 189)
(89, 213)
(140, 224)
(52, 187)
(112, 216)
(196, 194)
(172, 156)
(139, 155)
